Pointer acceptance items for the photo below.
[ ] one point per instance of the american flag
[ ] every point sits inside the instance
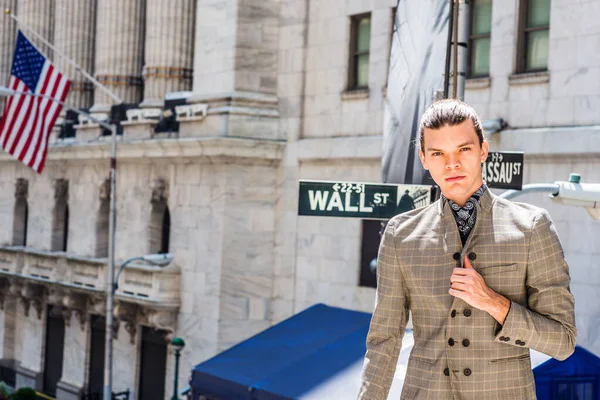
(27, 120)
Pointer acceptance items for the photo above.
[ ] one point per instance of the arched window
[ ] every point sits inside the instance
(102, 221)
(166, 231)
(20, 214)
(60, 216)
(160, 219)
(160, 228)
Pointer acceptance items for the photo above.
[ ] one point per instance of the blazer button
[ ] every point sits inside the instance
(467, 372)
(507, 339)
(446, 371)
(467, 313)
(451, 342)
(466, 342)
(456, 256)
(501, 338)
(472, 256)
(453, 313)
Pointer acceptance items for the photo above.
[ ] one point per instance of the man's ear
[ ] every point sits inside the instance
(422, 157)
(485, 148)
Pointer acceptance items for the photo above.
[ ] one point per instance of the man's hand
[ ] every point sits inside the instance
(467, 284)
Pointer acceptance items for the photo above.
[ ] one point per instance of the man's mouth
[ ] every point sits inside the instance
(455, 178)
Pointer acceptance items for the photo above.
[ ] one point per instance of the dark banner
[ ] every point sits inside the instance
(360, 199)
(416, 72)
(504, 170)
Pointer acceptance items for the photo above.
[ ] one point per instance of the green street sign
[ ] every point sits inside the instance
(360, 199)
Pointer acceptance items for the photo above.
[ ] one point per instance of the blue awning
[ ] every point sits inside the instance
(288, 359)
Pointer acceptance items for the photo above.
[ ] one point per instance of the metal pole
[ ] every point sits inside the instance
(73, 63)
(176, 378)
(110, 274)
(532, 188)
(454, 51)
(462, 35)
(448, 48)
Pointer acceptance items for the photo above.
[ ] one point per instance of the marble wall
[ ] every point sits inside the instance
(568, 94)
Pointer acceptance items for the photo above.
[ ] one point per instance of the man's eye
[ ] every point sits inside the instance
(465, 148)
(437, 153)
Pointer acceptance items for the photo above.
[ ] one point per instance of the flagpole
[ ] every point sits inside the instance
(73, 63)
(110, 290)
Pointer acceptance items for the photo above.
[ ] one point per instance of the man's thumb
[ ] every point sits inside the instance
(467, 263)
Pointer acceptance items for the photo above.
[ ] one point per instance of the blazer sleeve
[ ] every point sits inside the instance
(388, 322)
(547, 322)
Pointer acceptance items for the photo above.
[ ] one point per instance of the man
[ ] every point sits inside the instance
(484, 278)
(406, 203)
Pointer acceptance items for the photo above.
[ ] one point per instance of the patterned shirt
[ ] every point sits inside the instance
(466, 216)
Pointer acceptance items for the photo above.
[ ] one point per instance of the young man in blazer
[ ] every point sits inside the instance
(485, 279)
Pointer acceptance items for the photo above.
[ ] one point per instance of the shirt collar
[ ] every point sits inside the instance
(483, 196)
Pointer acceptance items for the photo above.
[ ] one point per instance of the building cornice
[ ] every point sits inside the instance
(340, 148)
(188, 147)
(549, 142)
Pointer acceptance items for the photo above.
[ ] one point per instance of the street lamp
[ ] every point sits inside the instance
(4, 92)
(572, 193)
(160, 260)
(178, 345)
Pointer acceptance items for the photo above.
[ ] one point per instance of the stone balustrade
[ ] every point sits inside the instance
(139, 283)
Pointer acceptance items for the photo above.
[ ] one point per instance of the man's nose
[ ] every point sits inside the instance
(452, 162)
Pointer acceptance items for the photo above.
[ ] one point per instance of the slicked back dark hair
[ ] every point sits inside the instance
(449, 112)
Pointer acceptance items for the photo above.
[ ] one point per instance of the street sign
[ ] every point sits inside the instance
(360, 199)
(504, 170)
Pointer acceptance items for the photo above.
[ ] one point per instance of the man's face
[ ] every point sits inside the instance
(453, 156)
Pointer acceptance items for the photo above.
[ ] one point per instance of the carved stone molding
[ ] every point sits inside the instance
(129, 314)
(4, 289)
(61, 189)
(105, 190)
(55, 296)
(21, 188)
(33, 295)
(162, 319)
(79, 303)
(159, 190)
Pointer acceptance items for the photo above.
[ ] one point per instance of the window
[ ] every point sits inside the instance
(60, 217)
(102, 221)
(20, 214)
(160, 219)
(534, 29)
(478, 64)
(360, 38)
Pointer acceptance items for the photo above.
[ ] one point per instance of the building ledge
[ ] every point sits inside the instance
(529, 78)
(358, 147)
(188, 147)
(355, 94)
(478, 83)
(550, 142)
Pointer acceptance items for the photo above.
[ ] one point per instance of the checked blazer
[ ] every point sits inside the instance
(460, 352)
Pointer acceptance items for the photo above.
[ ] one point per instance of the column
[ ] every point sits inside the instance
(74, 37)
(8, 30)
(119, 51)
(169, 49)
(235, 69)
(38, 15)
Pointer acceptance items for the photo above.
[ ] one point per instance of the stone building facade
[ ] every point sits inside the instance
(277, 91)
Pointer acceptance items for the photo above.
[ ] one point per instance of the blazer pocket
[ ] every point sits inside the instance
(496, 269)
(508, 359)
(422, 359)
